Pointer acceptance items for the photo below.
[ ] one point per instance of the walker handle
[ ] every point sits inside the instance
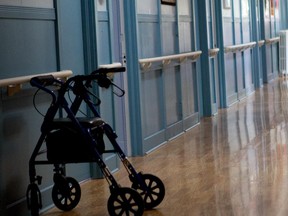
(106, 70)
(41, 81)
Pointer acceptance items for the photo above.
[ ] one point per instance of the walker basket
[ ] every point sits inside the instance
(66, 145)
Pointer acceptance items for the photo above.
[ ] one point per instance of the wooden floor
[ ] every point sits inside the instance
(233, 164)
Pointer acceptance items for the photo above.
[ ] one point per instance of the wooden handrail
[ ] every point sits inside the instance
(261, 43)
(239, 47)
(213, 52)
(113, 65)
(272, 40)
(14, 84)
(166, 60)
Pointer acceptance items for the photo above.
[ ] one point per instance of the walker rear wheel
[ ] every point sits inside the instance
(66, 197)
(125, 201)
(154, 192)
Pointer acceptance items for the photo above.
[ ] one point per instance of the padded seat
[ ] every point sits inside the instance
(84, 121)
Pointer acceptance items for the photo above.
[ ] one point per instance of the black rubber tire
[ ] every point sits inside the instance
(69, 199)
(34, 203)
(125, 201)
(155, 190)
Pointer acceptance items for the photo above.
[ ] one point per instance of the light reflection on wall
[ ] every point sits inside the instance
(245, 8)
(101, 5)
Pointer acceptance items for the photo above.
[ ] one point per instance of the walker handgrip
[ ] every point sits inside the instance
(42, 81)
(105, 70)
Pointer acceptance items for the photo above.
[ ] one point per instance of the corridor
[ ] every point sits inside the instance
(232, 164)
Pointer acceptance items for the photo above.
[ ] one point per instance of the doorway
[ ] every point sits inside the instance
(212, 52)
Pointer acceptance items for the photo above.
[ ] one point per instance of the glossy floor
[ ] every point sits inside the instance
(232, 164)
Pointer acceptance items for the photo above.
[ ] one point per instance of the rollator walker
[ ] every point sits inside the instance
(73, 139)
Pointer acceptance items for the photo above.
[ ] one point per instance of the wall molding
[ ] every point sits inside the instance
(169, 18)
(185, 18)
(31, 13)
(148, 18)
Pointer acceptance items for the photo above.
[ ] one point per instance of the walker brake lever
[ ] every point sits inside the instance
(120, 92)
(98, 102)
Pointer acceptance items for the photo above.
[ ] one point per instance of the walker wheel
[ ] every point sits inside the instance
(34, 199)
(125, 201)
(154, 192)
(34, 203)
(66, 197)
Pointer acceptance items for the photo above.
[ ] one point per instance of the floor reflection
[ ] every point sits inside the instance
(232, 164)
(257, 159)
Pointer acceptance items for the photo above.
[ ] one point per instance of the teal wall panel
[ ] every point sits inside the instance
(169, 41)
(152, 100)
(240, 87)
(230, 78)
(29, 42)
(246, 28)
(238, 32)
(149, 37)
(228, 28)
(20, 128)
(268, 60)
(172, 85)
(275, 57)
(249, 79)
(70, 37)
(104, 42)
(185, 37)
(147, 7)
(104, 50)
(189, 93)
(267, 29)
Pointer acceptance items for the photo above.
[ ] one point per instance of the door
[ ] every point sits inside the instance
(103, 47)
(213, 51)
(119, 55)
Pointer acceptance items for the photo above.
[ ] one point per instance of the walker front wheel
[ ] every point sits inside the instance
(125, 201)
(66, 196)
(154, 191)
(34, 199)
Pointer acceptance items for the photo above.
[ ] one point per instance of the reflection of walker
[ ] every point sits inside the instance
(80, 139)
